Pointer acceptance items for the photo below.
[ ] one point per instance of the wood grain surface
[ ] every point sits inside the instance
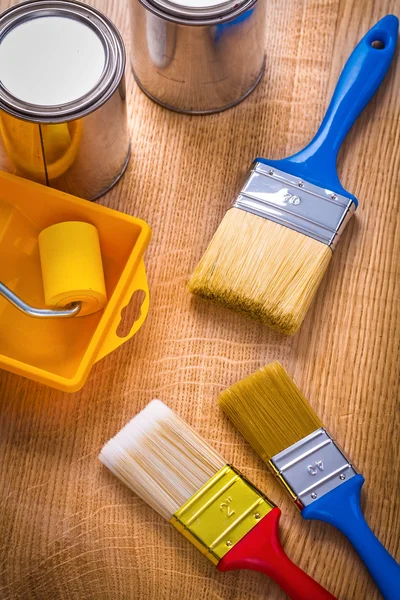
(68, 529)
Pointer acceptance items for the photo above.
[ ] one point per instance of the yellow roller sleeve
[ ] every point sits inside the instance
(72, 268)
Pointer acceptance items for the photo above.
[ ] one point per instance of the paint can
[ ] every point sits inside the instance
(198, 56)
(63, 119)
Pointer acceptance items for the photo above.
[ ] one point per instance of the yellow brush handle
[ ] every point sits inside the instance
(72, 268)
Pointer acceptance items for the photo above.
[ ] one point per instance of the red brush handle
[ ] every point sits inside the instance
(261, 550)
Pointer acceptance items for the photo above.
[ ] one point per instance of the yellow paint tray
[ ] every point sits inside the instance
(61, 352)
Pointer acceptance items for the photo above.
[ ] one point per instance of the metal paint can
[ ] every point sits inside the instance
(198, 56)
(63, 120)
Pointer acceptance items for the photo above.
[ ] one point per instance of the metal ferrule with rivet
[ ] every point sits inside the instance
(295, 203)
(312, 467)
(221, 513)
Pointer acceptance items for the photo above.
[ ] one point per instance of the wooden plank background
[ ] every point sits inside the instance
(68, 529)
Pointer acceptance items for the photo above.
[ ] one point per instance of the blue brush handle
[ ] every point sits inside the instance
(341, 508)
(358, 82)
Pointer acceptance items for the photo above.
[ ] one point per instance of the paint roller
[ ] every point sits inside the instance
(72, 272)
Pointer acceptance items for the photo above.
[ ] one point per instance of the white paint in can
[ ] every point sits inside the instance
(50, 61)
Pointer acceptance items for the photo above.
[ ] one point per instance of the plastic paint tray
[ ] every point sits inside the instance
(61, 352)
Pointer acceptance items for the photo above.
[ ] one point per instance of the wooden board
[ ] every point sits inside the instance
(68, 529)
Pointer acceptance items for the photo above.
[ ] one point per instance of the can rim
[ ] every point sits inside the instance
(220, 8)
(170, 11)
(109, 80)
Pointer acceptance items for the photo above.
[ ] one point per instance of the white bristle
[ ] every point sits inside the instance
(161, 458)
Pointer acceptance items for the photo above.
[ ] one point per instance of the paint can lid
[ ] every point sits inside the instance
(199, 9)
(58, 60)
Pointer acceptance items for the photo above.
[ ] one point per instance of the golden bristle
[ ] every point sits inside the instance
(269, 410)
(263, 269)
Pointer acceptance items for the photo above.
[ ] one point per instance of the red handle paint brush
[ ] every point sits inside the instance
(261, 550)
(165, 462)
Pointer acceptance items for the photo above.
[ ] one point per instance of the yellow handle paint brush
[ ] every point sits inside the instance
(274, 245)
(275, 418)
(165, 462)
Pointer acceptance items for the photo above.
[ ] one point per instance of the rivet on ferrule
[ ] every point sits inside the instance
(221, 513)
(312, 467)
(311, 210)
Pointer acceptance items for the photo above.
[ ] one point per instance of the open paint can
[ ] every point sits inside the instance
(198, 56)
(62, 97)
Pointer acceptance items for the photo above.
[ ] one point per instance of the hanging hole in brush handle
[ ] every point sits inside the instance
(358, 82)
(261, 550)
(113, 340)
(342, 509)
(378, 44)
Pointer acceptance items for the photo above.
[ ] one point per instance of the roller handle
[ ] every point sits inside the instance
(261, 550)
(358, 82)
(342, 509)
(39, 313)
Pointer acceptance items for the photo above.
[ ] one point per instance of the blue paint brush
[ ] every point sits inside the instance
(276, 419)
(273, 246)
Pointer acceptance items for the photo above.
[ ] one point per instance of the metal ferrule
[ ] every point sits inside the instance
(312, 467)
(302, 206)
(221, 513)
